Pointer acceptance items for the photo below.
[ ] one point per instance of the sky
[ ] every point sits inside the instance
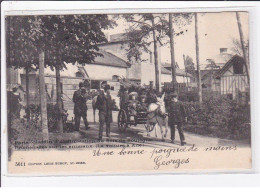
(215, 30)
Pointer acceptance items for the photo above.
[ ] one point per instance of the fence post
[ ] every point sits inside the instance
(44, 120)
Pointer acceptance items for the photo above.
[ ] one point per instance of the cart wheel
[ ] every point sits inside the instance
(122, 121)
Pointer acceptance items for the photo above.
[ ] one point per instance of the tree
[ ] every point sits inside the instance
(145, 30)
(237, 47)
(197, 57)
(66, 39)
(243, 45)
(212, 65)
(151, 28)
(171, 34)
(189, 64)
(21, 50)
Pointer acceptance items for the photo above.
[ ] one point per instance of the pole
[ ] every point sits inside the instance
(197, 57)
(172, 53)
(27, 93)
(185, 66)
(243, 46)
(44, 121)
(59, 100)
(157, 79)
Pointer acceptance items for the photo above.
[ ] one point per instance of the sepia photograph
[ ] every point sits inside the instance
(128, 92)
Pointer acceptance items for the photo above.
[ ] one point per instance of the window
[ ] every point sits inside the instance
(95, 84)
(115, 77)
(103, 83)
(79, 74)
(238, 68)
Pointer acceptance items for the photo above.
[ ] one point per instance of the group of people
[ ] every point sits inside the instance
(174, 108)
(104, 104)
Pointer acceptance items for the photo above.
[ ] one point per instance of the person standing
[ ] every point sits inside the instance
(177, 116)
(124, 98)
(104, 105)
(14, 100)
(80, 98)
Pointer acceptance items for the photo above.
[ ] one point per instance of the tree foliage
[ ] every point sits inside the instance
(140, 32)
(237, 48)
(20, 42)
(189, 65)
(67, 38)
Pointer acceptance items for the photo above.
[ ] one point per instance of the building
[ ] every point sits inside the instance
(142, 71)
(181, 75)
(210, 67)
(117, 45)
(231, 79)
(217, 61)
(104, 70)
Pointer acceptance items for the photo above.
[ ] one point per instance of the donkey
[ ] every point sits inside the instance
(155, 116)
(94, 107)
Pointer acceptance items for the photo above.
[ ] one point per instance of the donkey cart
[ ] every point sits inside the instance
(125, 119)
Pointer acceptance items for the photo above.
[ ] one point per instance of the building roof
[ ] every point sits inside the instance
(217, 61)
(232, 61)
(118, 37)
(206, 73)
(222, 58)
(110, 59)
(180, 72)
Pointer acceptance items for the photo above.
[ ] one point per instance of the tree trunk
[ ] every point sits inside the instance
(157, 80)
(174, 81)
(186, 70)
(27, 93)
(44, 120)
(243, 46)
(59, 102)
(197, 58)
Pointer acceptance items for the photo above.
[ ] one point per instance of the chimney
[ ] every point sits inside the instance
(223, 50)
(107, 37)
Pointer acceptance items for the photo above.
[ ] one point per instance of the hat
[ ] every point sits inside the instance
(173, 94)
(107, 87)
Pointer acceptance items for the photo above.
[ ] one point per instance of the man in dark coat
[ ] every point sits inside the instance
(124, 98)
(80, 98)
(104, 105)
(177, 116)
(14, 105)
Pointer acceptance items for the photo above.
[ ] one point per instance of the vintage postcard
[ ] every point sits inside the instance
(152, 92)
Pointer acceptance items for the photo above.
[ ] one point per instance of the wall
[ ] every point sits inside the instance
(118, 49)
(231, 83)
(13, 77)
(143, 70)
(148, 73)
(180, 79)
(101, 72)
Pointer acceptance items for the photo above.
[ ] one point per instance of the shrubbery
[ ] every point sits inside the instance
(52, 115)
(219, 117)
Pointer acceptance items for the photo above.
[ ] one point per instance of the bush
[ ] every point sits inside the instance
(189, 96)
(52, 115)
(220, 117)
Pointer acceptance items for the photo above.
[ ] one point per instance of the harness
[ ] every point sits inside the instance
(156, 112)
